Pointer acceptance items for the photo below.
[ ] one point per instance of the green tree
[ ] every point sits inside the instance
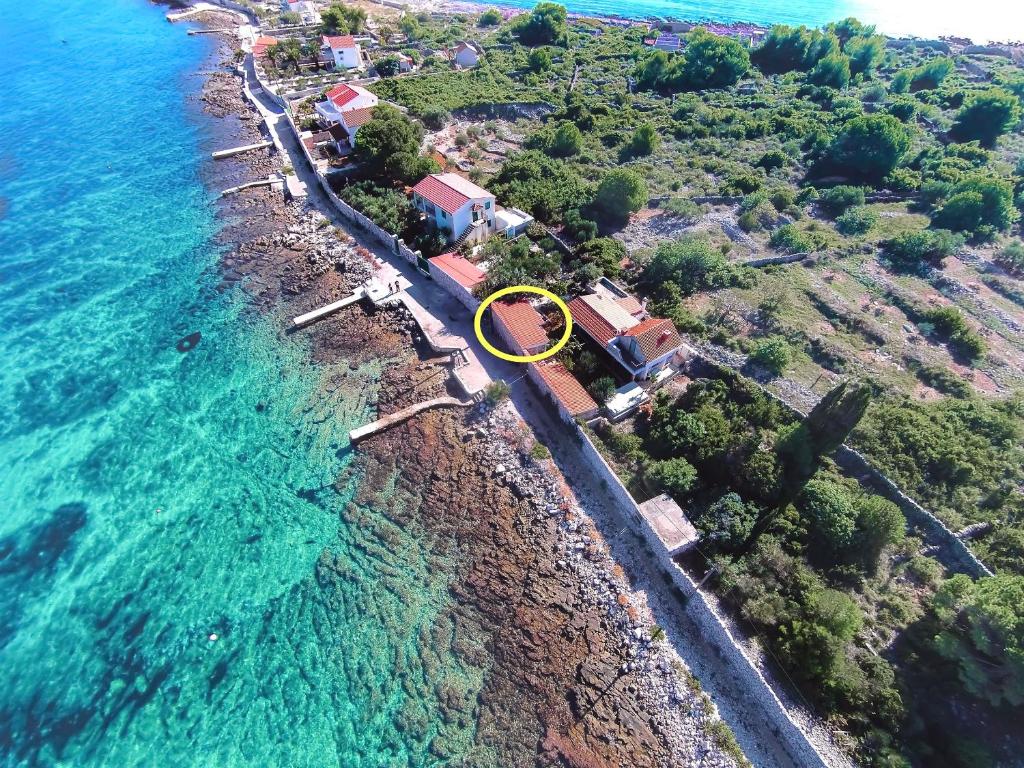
(602, 388)
(793, 48)
(880, 524)
(604, 252)
(567, 140)
(832, 71)
(539, 60)
(544, 186)
(691, 263)
(870, 146)
(987, 116)
(832, 517)
(979, 205)
(389, 66)
(836, 200)
(644, 141)
(672, 476)
(388, 144)
(728, 522)
(803, 447)
(710, 61)
(773, 354)
(910, 250)
(857, 221)
(654, 71)
(578, 227)
(545, 25)
(340, 19)
(814, 644)
(490, 18)
(620, 193)
(790, 239)
(850, 29)
(983, 632)
(865, 53)
(930, 75)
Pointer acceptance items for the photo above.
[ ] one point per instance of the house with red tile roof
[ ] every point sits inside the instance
(520, 327)
(568, 395)
(343, 98)
(259, 48)
(649, 346)
(344, 51)
(458, 276)
(461, 210)
(642, 347)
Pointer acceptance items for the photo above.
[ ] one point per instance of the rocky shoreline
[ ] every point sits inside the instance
(579, 674)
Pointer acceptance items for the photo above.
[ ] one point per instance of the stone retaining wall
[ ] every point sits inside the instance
(391, 241)
(856, 463)
(711, 626)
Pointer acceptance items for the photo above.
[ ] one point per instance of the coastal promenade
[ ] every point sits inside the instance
(447, 325)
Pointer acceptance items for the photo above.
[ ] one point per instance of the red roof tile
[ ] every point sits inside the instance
(356, 118)
(655, 337)
(524, 323)
(631, 305)
(340, 95)
(339, 41)
(465, 273)
(590, 321)
(448, 191)
(564, 386)
(259, 48)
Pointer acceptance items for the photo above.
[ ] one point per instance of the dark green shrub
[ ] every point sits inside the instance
(857, 221)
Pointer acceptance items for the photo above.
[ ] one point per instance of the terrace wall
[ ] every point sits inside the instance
(955, 554)
(710, 625)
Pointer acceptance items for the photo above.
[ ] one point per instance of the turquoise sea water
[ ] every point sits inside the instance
(982, 21)
(151, 498)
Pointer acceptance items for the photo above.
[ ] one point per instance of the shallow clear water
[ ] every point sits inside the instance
(153, 497)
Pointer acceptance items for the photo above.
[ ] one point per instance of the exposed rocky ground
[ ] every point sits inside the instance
(571, 643)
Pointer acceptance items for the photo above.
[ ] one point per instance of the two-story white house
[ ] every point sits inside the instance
(465, 54)
(344, 98)
(344, 51)
(459, 208)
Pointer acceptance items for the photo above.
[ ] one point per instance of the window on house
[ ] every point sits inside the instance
(487, 204)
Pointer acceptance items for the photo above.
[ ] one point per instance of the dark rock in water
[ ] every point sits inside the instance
(261, 407)
(188, 343)
(46, 544)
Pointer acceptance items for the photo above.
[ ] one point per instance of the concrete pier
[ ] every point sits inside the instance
(331, 308)
(267, 182)
(220, 154)
(386, 422)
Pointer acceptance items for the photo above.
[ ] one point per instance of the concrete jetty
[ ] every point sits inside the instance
(386, 422)
(331, 308)
(270, 181)
(220, 154)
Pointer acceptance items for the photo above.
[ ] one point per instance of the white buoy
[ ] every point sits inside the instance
(213, 637)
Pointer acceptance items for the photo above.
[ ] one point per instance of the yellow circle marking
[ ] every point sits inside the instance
(523, 358)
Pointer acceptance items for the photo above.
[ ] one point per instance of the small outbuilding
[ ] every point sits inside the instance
(671, 525)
